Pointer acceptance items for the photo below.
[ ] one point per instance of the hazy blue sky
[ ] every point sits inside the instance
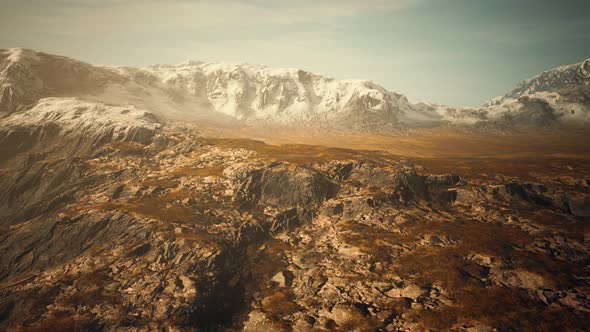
(458, 52)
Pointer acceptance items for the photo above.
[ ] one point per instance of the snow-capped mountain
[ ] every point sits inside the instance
(75, 116)
(560, 95)
(68, 126)
(196, 90)
(27, 76)
(286, 96)
(560, 78)
(255, 94)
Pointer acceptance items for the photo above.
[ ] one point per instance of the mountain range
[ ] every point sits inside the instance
(255, 94)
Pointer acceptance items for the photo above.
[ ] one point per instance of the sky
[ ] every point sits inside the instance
(455, 52)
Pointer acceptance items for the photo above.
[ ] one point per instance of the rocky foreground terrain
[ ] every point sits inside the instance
(111, 218)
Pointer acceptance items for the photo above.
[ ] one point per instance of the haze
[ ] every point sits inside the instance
(457, 52)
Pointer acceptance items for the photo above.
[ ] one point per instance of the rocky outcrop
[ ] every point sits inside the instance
(280, 185)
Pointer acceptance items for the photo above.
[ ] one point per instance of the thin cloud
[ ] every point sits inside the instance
(111, 15)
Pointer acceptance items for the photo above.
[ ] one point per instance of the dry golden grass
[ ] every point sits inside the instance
(433, 143)
(200, 171)
(163, 182)
(440, 151)
(296, 153)
(158, 207)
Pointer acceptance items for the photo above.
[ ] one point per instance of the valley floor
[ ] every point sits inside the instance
(452, 143)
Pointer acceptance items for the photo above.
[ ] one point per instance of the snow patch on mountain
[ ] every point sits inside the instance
(73, 116)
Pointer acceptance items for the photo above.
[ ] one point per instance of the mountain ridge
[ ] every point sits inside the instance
(261, 95)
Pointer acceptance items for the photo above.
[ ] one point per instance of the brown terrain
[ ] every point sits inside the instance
(431, 230)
